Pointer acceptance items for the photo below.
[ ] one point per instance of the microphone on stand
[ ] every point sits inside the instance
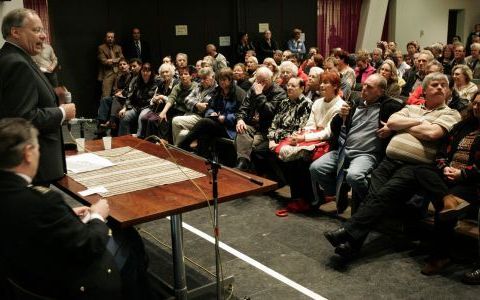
(81, 120)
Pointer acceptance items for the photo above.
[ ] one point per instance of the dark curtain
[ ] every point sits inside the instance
(41, 7)
(338, 24)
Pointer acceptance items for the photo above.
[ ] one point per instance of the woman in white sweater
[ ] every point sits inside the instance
(323, 110)
(317, 129)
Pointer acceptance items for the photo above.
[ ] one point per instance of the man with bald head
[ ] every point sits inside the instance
(25, 91)
(220, 61)
(255, 116)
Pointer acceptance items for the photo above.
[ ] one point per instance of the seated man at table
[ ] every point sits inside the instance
(51, 249)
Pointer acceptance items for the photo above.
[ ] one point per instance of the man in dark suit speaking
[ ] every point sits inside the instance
(25, 91)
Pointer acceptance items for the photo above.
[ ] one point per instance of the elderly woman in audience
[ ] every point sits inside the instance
(288, 70)
(462, 76)
(452, 185)
(389, 72)
(143, 91)
(149, 118)
(219, 118)
(240, 76)
(292, 115)
(252, 65)
(313, 84)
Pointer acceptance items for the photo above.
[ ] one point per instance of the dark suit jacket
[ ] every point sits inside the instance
(130, 51)
(48, 250)
(26, 92)
(265, 50)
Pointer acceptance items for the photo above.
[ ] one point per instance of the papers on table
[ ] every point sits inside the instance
(93, 190)
(86, 162)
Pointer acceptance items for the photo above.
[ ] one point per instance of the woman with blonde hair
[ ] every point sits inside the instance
(389, 71)
(272, 65)
(462, 77)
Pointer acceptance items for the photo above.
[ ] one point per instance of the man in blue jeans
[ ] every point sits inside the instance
(363, 141)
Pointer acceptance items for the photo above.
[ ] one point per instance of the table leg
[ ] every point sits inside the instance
(180, 280)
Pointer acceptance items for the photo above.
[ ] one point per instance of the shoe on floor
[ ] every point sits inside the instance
(472, 277)
(435, 265)
(453, 207)
(299, 206)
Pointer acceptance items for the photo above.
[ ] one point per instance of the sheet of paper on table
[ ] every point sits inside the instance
(86, 162)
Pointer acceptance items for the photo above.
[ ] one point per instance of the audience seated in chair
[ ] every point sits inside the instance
(196, 104)
(143, 90)
(255, 116)
(454, 181)
(149, 117)
(175, 104)
(291, 116)
(219, 120)
(419, 132)
(359, 131)
(297, 155)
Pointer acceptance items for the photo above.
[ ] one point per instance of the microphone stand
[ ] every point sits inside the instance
(214, 167)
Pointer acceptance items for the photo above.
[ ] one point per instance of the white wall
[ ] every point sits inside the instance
(371, 22)
(5, 7)
(426, 21)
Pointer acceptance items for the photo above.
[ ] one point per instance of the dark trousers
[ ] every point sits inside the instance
(104, 109)
(392, 184)
(204, 131)
(297, 175)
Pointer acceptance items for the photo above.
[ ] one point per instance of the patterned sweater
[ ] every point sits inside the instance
(290, 117)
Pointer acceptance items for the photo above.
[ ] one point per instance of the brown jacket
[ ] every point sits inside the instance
(104, 53)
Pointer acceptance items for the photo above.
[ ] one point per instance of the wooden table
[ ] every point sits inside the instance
(168, 200)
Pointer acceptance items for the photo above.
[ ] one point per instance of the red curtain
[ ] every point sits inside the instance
(41, 7)
(337, 24)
